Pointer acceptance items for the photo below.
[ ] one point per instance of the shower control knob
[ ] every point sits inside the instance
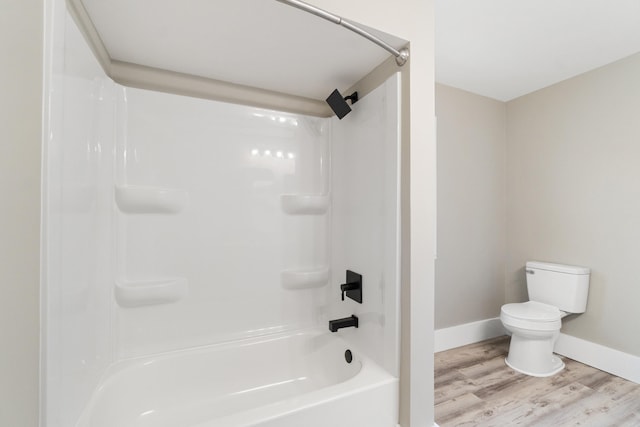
(353, 287)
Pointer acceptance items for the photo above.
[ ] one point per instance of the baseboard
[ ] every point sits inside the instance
(468, 333)
(606, 359)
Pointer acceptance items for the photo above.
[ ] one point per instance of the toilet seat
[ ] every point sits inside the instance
(531, 315)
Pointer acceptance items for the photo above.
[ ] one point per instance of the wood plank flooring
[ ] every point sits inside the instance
(474, 387)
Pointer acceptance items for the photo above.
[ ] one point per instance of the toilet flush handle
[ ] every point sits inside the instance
(530, 271)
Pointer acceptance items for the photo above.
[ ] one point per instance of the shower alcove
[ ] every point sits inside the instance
(201, 209)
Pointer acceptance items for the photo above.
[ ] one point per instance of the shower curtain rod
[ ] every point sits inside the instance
(401, 55)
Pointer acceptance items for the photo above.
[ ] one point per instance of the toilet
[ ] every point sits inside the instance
(555, 291)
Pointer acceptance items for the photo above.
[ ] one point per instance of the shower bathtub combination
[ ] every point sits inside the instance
(194, 252)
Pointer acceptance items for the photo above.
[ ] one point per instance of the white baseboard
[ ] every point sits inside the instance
(469, 333)
(606, 359)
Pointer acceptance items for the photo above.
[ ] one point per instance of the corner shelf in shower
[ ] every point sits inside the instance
(304, 279)
(150, 292)
(305, 204)
(133, 199)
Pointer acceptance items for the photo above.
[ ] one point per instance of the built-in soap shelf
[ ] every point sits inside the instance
(150, 292)
(305, 278)
(305, 204)
(133, 199)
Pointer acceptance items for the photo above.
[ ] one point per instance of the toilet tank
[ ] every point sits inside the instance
(563, 286)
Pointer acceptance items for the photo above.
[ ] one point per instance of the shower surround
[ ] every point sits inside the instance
(182, 233)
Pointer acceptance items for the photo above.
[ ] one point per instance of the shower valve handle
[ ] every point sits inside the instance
(353, 287)
(349, 287)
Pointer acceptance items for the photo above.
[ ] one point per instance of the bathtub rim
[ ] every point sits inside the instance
(369, 376)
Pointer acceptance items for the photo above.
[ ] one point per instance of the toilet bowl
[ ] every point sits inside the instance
(534, 329)
(555, 290)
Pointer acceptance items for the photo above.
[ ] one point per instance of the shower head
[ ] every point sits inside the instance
(339, 104)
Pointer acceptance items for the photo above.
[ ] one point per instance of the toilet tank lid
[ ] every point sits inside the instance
(560, 268)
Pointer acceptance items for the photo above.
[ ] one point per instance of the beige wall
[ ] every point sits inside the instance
(574, 194)
(20, 143)
(471, 207)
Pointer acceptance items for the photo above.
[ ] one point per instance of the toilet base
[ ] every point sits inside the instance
(556, 363)
(533, 357)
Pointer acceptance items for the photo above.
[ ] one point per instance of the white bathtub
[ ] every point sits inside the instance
(285, 380)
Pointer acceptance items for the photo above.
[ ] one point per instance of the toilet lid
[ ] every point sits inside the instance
(532, 310)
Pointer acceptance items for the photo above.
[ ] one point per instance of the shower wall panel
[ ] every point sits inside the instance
(227, 209)
(77, 225)
(365, 230)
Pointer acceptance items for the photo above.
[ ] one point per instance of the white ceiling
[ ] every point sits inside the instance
(507, 48)
(257, 43)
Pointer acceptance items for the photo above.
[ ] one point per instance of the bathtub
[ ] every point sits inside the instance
(284, 380)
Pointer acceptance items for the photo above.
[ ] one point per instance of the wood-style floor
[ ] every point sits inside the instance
(474, 387)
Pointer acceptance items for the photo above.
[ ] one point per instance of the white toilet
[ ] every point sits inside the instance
(555, 291)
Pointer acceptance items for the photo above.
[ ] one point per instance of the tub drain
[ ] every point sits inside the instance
(348, 356)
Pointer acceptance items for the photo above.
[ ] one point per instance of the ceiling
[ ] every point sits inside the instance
(504, 49)
(258, 43)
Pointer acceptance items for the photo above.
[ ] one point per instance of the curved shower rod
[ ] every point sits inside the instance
(401, 55)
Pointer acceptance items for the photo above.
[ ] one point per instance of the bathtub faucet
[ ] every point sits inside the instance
(345, 322)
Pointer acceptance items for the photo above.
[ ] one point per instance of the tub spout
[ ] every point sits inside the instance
(345, 322)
